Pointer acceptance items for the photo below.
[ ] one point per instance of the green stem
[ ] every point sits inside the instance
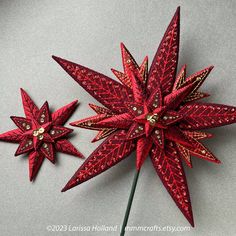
(131, 196)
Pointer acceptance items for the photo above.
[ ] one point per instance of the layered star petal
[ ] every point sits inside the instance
(41, 133)
(155, 112)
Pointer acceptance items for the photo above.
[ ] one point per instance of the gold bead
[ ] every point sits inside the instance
(41, 130)
(35, 133)
(40, 137)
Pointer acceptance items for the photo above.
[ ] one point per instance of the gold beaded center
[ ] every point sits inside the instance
(152, 118)
(39, 133)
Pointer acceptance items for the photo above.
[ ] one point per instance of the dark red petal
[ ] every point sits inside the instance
(185, 154)
(30, 108)
(110, 152)
(200, 76)
(143, 147)
(44, 115)
(136, 130)
(128, 61)
(47, 138)
(155, 99)
(158, 137)
(175, 134)
(37, 143)
(165, 62)
(180, 79)
(137, 88)
(122, 121)
(171, 117)
(14, 136)
(100, 110)
(207, 115)
(124, 79)
(107, 91)
(143, 71)
(90, 122)
(48, 150)
(148, 128)
(170, 170)
(59, 131)
(174, 99)
(196, 96)
(60, 116)
(65, 146)
(103, 134)
(197, 134)
(25, 146)
(35, 162)
(134, 108)
(23, 123)
(199, 150)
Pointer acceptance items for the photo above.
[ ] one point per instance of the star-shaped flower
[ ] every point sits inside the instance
(154, 111)
(40, 133)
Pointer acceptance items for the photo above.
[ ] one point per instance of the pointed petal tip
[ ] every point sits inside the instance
(122, 45)
(91, 105)
(57, 59)
(22, 90)
(73, 123)
(31, 178)
(114, 71)
(80, 156)
(177, 10)
(67, 187)
(190, 218)
(192, 223)
(189, 164)
(211, 135)
(13, 118)
(70, 130)
(75, 101)
(23, 93)
(16, 154)
(138, 166)
(63, 190)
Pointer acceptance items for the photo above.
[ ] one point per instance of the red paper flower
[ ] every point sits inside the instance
(41, 133)
(154, 111)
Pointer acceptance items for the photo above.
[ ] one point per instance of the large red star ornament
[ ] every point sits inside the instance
(155, 112)
(40, 133)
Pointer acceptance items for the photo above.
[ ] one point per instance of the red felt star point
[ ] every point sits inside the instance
(40, 133)
(155, 112)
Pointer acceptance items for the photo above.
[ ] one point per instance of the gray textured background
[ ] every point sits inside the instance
(89, 32)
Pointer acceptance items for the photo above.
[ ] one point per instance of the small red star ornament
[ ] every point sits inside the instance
(154, 111)
(40, 133)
